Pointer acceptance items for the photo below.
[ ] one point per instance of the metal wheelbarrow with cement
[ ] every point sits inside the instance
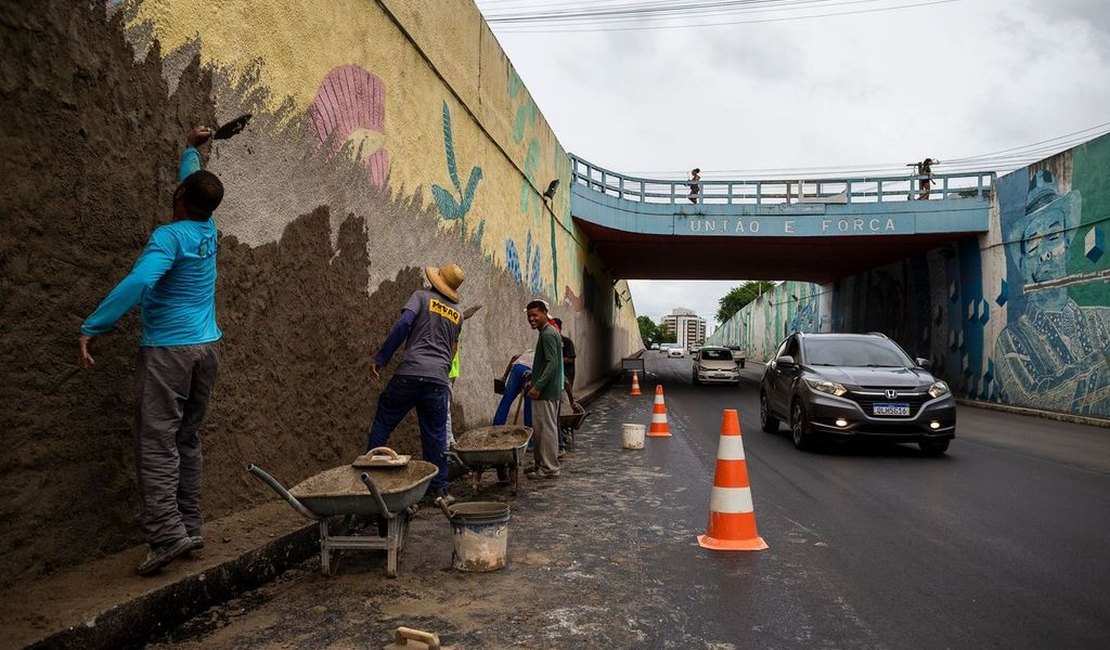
(388, 494)
(502, 447)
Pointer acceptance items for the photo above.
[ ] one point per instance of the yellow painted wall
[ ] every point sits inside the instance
(428, 56)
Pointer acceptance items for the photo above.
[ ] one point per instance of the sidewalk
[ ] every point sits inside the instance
(105, 604)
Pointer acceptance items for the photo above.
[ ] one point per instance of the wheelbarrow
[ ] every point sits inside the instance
(337, 493)
(502, 447)
(571, 422)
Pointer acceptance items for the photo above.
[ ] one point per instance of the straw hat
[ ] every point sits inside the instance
(446, 280)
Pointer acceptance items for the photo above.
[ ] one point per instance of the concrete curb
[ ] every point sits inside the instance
(1048, 415)
(134, 623)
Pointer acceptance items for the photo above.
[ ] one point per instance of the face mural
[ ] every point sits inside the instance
(1054, 353)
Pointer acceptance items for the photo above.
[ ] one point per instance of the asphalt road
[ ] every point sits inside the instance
(1002, 543)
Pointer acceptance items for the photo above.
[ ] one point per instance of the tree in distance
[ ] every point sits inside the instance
(737, 297)
(651, 333)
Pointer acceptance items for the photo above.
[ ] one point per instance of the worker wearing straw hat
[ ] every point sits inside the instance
(430, 325)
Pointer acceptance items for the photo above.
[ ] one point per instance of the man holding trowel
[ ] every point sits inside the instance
(174, 280)
(430, 325)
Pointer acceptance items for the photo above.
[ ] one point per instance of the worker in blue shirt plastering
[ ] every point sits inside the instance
(174, 280)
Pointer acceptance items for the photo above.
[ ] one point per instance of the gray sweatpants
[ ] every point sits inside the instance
(545, 428)
(173, 388)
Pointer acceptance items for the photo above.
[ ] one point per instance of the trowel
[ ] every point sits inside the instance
(232, 128)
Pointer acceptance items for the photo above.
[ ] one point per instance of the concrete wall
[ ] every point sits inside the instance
(386, 136)
(1020, 317)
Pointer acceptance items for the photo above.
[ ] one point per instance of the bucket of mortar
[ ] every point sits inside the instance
(481, 534)
(632, 436)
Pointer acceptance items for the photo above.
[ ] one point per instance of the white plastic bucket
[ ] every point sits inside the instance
(481, 535)
(632, 436)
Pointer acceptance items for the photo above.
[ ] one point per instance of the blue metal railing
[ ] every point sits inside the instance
(872, 189)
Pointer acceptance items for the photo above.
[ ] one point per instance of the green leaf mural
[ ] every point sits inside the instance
(449, 146)
(454, 206)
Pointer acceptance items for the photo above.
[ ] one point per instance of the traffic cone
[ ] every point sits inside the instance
(731, 514)
(635, 384)
(659, 426)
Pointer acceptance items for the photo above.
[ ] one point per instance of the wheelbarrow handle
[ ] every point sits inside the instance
(405, 634)
(377, 496)
(454, 455)
(280, 489)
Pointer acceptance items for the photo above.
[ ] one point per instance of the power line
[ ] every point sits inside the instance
(600, 11)
(1004, 159)
(583, 25)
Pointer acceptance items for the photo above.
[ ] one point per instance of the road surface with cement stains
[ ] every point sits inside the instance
(1002, 543)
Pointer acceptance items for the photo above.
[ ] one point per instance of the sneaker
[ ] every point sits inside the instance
(431, 495)
(196, 541)
(541, 474)
(162, 554)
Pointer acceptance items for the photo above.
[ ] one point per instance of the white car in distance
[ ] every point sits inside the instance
(716, 365)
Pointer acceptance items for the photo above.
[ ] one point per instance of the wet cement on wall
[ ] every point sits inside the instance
(91, 140)
(314, 266)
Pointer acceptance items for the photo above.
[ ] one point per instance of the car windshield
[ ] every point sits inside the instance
(716, 355)
(867, 352)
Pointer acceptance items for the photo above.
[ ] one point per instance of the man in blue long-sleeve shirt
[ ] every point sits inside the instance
(430, 323)
(174, 280)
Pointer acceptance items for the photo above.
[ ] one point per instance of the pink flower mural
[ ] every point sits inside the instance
(349, 109)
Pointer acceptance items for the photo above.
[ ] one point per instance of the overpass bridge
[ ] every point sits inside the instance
(817, 230)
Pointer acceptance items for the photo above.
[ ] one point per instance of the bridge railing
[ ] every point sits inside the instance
(870, 189)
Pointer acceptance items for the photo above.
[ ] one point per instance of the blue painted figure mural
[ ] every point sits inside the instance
(1053, 353)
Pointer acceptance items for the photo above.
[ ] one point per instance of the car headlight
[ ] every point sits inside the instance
(938, 389)
(825, 386)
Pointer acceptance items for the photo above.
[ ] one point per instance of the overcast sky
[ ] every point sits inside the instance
(952, 80)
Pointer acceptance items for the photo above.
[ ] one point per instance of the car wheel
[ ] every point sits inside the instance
(799, 426)
(694, 379)
(768, 422)
(934, 447)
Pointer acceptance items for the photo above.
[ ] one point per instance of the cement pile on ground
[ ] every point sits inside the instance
(496, 437)
(344, 480)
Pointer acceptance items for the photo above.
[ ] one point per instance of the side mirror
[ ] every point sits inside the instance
(786, 362)
(922, 362)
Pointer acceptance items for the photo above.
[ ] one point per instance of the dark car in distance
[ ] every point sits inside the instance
(860, 386)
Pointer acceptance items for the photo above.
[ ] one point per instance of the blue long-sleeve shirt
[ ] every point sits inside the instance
(174, 279)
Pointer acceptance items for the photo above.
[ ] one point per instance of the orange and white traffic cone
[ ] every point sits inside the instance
(659, 426)
(635, 384)
(731, 513)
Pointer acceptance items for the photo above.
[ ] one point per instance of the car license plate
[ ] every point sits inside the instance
(891, 409)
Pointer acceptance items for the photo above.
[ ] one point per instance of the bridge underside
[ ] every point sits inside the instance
(638, 256)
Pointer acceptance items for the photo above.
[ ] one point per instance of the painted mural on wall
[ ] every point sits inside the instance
(348, 112)
(759, 327)
(1020, 317)
(363, 161)
(1054, 351)
(454, 206)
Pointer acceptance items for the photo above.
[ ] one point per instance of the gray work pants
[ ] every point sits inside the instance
(173, 388)
(545, 429)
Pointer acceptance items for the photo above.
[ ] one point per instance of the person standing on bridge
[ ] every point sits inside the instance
(174, 281)
(925, 172)
(695, 186)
